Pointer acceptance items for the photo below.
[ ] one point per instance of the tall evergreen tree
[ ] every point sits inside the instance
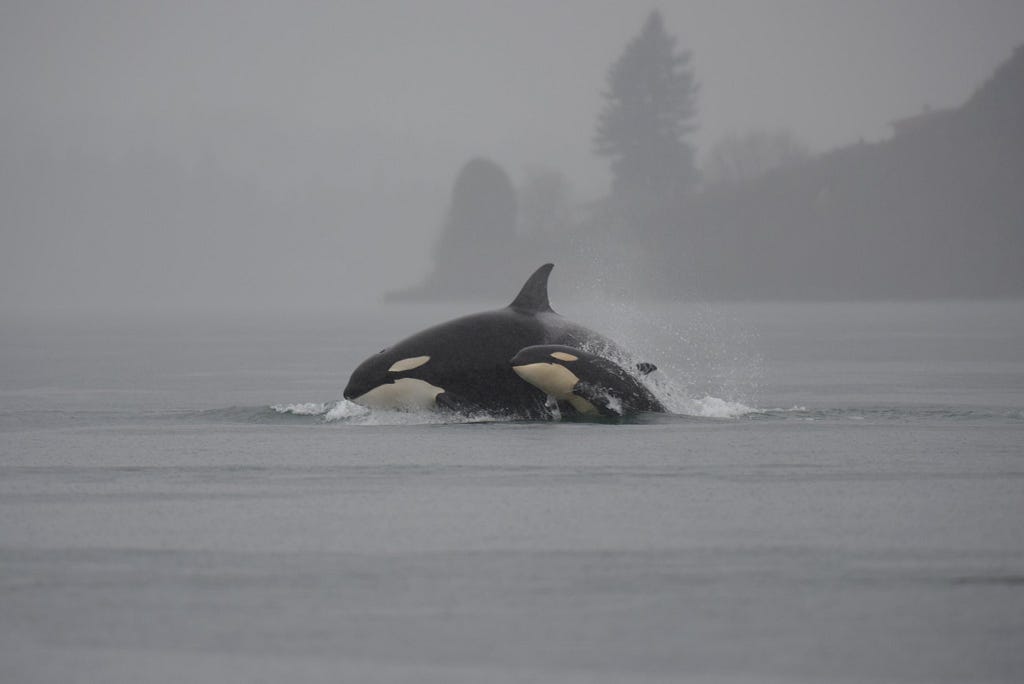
(651, 104)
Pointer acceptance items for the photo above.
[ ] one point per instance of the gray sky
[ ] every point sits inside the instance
(385, 100)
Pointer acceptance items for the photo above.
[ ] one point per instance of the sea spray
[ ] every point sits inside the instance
(707, 360)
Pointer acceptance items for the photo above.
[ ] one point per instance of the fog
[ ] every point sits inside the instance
(201, 155)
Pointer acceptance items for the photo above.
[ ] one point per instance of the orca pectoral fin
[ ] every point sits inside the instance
(454, 403)
(646, 368)
(605, 404)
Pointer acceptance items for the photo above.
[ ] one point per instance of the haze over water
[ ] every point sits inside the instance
(160, 156)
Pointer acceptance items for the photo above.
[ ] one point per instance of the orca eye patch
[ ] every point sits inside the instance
(408, 364)
(564, 356)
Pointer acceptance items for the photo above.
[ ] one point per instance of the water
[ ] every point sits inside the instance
(185, 499)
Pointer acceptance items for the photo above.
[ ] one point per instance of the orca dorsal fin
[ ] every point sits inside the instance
(533, 298)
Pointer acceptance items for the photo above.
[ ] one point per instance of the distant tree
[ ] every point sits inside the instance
(737, 158)
(650, 107)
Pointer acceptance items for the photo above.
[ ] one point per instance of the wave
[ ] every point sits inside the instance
(350, 413)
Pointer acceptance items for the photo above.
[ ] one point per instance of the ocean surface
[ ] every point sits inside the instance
(839, 499)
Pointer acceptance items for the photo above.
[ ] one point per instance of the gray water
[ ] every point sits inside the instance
(183, 498)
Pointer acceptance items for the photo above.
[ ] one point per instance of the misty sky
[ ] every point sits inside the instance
(388, 99)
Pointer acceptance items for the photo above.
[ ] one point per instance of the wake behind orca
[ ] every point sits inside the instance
(464, 365)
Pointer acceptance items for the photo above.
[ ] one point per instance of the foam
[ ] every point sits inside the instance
(350, 413)
(308, 409)
(345, 410)
(714, 407)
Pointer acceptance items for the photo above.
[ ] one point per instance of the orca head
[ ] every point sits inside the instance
(549, 368)
(394, 379)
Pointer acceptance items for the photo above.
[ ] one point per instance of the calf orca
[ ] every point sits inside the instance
(463, 364)
(592, 385)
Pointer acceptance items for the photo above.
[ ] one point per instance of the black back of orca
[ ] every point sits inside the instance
(468, 358)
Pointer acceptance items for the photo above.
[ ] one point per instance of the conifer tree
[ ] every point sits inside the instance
(651, 104)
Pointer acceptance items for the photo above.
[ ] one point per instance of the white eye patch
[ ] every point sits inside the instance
(408, 364)
(564, 356)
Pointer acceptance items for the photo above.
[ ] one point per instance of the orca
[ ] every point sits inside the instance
(462, 365)
(591, 385)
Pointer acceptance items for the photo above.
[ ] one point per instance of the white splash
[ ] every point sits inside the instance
(713, 407)
(308, 409)
(345, 410)
(614, 404)
(350, 413)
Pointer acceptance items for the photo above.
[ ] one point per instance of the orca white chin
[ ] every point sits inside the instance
(556, 381)
(549, 378)
(404, 394)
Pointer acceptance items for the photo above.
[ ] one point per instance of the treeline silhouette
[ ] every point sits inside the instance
(937, 210)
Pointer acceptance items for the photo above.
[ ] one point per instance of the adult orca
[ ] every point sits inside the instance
(592, 385)
(463, 364)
